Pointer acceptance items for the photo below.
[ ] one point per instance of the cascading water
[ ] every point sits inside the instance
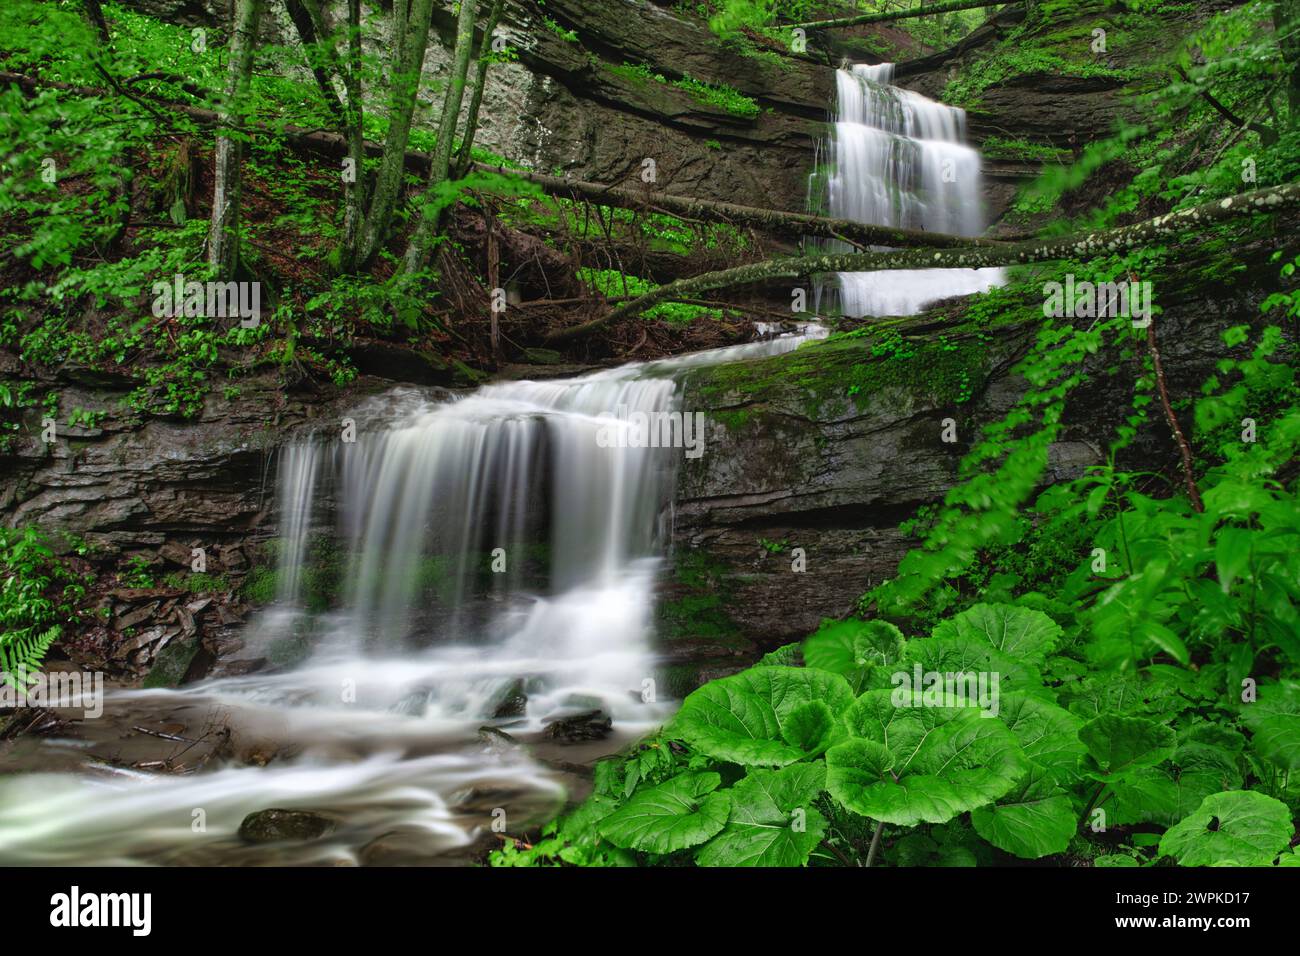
(898, 159)
(379, 726)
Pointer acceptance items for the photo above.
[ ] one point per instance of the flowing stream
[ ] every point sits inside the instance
(896, 158)
(495, 547)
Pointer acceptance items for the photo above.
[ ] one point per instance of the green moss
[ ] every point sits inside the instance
(260, 585)
(197, 583)
(700, 613)
(852, 368)
(172, 663)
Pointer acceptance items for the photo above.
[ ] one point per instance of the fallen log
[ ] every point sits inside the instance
(1081, 246)
(860, 18)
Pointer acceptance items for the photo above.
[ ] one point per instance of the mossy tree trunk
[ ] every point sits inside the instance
(464, 154)
(223, 235)
(417, 249)
(411, 32)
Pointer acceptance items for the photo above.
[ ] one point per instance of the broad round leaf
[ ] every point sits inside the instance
(1034, 820)
(1238, 828)
(679, 813)
(1274, 723)
(1049, 735)
(856, 650)
(1018, 632)
(917, 764)
(772, 822)
(1122, 745)
(744, 718)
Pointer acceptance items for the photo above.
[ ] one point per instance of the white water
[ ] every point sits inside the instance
(378, 726)
(900, 159)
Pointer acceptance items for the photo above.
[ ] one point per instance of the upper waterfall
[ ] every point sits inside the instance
(897, 158)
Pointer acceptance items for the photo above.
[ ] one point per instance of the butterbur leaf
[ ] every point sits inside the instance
(772, 822)
(1017, 632)
(1122, 745)
(1274, 723)
(811, 727)
(743, 718)
(1048, 735)
(1237, 828)
(679, 813)
(910, 765)
(1167, 794)
(1034, 820)
(856, 650)
(973, 656)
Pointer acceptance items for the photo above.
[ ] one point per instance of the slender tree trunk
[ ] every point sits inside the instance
(223, 236)
(920, 11)
(464, 155)
(404, 84)
(354, 186)
(417, 249)
(1286, 25)
(1082, 246)
(310, 24)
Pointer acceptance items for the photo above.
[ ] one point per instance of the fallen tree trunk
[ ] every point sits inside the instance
(1078, 246)
(948, 7)
(768, 220)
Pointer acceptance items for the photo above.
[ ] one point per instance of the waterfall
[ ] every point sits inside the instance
(379, 725)
(898, 159)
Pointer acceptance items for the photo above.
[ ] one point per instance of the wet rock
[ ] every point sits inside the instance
(172, 663)
(269, 826)
(513, 702)
(592, 725)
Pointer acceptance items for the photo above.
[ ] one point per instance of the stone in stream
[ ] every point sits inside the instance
(592, 725)
(512, 703)
(269, 826)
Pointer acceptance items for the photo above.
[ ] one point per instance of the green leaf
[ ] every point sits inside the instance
(811, 727)
(857, 650)
(772, 822)
(1165, 795)
(682, 812)
(1034, 820)
(1238, 828)
(1122, 745)
(1274, 723)
(1049, 735)
(1017, 632)
(917, 764)
(743, 718)
(1232, 550)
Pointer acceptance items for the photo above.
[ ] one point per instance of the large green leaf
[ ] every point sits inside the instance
(772, 822)
(917, 764)
(760, 716)
(1238, 828)
(1049, 735)
(1120, 746)
(1274, 723)
(1034, 820)
(862, 652)
(679, 813)
(973, 655)
(1166, 794)
(1018, 632)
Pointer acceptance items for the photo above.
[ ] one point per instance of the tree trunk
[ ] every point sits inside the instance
(771, 220)
(354, 187)
(1286, 25)
(223, 235)
(464, 155)
(417, 249)
(1081, 246)
(310, 25)
(404, 84)
(921, 11)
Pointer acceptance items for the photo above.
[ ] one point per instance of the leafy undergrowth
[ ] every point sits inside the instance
(1090, 672)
